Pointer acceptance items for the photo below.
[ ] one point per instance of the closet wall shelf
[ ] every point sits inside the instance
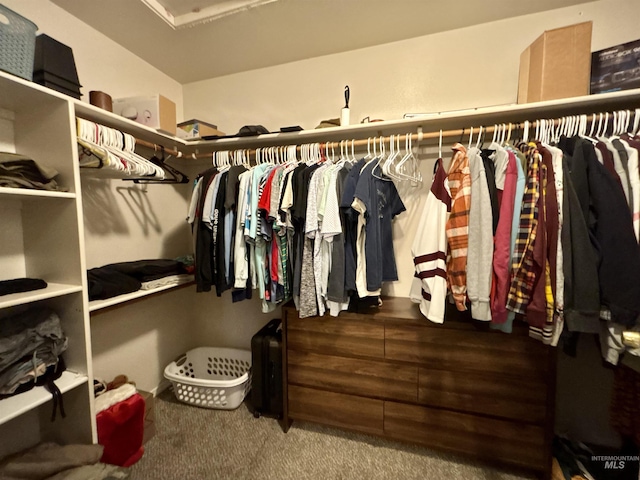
(28, 194)
(19, 94)
(15, 406)
(53, 290)
(109, 119)
(475, 117)
(96, 305)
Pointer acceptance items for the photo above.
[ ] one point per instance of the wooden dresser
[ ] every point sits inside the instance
(458, 387)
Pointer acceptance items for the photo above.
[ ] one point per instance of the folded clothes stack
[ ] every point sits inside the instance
(18, 171)
(20, 285)
(126, 277)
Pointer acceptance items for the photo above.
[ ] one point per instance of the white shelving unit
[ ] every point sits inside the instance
(96, 305)
(53, 290)
(13, 407)
(42, 237)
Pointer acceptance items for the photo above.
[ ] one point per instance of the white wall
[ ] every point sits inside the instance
(471, 67)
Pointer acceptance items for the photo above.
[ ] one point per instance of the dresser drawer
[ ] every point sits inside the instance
(520, 400)
(336, 336)
(498, 440)
(468, 350)
(336, 409)
(355, 376)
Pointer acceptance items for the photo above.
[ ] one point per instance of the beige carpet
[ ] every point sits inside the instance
(196, 443)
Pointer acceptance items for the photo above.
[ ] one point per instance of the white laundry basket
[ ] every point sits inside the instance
(211, 377)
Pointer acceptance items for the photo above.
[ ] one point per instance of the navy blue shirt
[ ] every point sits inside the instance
(382, 203)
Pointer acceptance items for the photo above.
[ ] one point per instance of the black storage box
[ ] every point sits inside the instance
(616, 68)
(54, 82)
(54, 66)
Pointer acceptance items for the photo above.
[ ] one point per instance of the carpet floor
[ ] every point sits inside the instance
(196, 443)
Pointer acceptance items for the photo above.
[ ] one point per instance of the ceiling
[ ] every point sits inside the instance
(261, 33)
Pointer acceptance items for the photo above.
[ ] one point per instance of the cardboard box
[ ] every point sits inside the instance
(556, 65)
(195, 129)
(616, 68)
(154, 111)
(149, 416)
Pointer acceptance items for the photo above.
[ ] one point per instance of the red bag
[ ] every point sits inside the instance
(120, 431)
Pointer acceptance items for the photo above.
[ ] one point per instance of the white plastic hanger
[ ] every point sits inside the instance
(368, 155)
(408, 168)
(636, 122)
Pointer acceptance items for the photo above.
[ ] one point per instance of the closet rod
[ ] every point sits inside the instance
(414, 137)
(157, 147)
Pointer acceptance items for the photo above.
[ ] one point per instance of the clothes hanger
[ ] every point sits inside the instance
(175, 175)
(368, 155)
(388, 164)
(628, 122)
(88, 139)
(636, 122)
(410, 171)
(381, 159)
(113, 141)
(479, 137)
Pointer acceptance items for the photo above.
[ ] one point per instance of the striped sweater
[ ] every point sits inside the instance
(429, 287)
(458, 225)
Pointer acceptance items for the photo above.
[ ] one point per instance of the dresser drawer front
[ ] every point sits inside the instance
(336, 336)
(467, 350)
(336, 409)
(500, 440)
(524, 401)
(355, 376)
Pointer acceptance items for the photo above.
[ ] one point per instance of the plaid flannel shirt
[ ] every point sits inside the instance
(457, 227)
(522, 271)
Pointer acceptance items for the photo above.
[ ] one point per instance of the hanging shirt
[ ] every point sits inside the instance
(382, 204)
(203, 240)
(209, 202)
(361, 237)
(458, 225)
(522, 264)
(624, 160)
(312, 231)
(480, 250)
(240, 256)
(581, 297)
(195, 197)
(619, 256)
(619, 166)
(429, 286)
(337, 298)
(502, 250)
(507, 326)
(540, 310)
(634, 181)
